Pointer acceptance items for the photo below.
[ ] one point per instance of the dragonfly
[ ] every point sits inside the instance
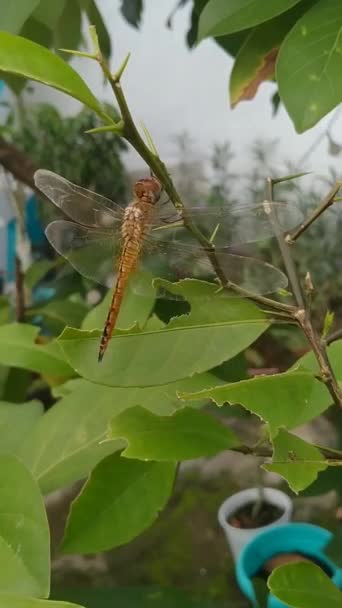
(106, 242)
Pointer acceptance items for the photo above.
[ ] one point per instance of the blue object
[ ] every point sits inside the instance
(34, 230)
(10, 250)
(33, 224)
(307, 539)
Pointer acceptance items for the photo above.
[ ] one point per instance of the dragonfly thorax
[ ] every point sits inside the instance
(137, 218)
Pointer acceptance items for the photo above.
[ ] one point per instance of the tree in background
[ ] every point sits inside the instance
(104, 413)
(58, 143)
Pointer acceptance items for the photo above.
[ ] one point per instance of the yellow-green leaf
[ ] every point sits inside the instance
(18, 348)
(296, 460)
(304, 585)
(12, 600)
(132, 493)
(68, 441)
(24, 532)
(255, 61)
(280, 399)
(23, 57)
(220, 17)
(217, 328)
(309, 65)
(184, 435)
(14, 14)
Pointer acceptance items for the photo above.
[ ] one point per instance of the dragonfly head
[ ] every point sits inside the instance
(148, 189)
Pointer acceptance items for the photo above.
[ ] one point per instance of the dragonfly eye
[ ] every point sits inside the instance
(149, 188)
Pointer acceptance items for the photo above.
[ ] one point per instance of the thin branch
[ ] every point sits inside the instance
(326, 203)
(319, 349)
(17, 163)
(132, 135)
(330, 454)
(19, 291)
(286, 254)
(303, 315)
(335, 335)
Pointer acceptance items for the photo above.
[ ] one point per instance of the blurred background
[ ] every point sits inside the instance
(216, 155)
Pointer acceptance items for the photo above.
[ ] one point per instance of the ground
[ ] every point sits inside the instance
(185, 547)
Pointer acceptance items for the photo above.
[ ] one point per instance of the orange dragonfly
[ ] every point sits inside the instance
(104, 236)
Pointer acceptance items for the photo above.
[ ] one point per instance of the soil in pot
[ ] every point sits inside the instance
(260, 579)
(287, 558)
(248, 516)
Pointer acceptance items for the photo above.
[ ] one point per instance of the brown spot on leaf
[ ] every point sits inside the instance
(263, 73)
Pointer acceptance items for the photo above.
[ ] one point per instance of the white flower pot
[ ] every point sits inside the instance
(238, 537)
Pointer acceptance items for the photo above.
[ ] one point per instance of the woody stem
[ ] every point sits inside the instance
(299, 314)
(132, 135)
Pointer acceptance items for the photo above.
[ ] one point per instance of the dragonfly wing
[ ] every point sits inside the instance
(231, 226)
(174, 262)
(252, 274)
(165, 214)
(79, 204)
(91, 252)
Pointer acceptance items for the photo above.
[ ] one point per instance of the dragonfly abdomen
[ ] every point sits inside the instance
(134, 229)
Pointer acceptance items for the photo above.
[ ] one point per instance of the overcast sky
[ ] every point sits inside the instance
(172, 89)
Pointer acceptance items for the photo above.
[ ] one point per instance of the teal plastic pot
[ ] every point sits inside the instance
(289, 538)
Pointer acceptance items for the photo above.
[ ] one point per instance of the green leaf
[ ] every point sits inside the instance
(216, 329)
(14, 83)
(288, 178)
(295, 460)
(220, 17)
(231, 371)
(48, 13)
(67, 442)
(59, 313)
(333, 549)
(255, 61)
(5, 310)
(280, 399)
(14, 14)
(135, 308)
(185, 435)
(320, 397)
(18, 349)
(37, 271)
(132, 493)
(24, 532)
(39, 33)
(68, 32)
(328, 480)
(15, 384)
(293, 585)
(334, 351)
(95, 18)
(328, 322)
(17, 420)
(161, 400)
(261, 591)
(132, 11)
(310, 63)
(11, 600)
(232, 43)
(26, 58)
